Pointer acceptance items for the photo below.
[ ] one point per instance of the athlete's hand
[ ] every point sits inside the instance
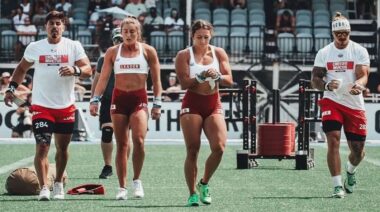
(94, 109)
(333, 85)
(212, 73)
(8, 98)
(156, 113)
(66, 71)
(357, 89)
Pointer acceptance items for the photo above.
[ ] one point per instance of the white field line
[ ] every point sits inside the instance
(15, 165)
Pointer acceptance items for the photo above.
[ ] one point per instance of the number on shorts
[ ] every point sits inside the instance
(41, 124)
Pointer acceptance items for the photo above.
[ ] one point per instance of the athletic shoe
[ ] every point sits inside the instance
(204, 193)
(122, 194)
(44, 194)
(338, 192)
(138, 191)
(106, 172)
(350, 182)
(58, 192)
(193, 200)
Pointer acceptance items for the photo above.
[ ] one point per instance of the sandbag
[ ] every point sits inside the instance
(24, 181)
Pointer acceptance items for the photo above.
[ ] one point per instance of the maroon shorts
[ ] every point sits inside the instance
(65, 115)
(353, 121)
(203, 105)
(128, 102)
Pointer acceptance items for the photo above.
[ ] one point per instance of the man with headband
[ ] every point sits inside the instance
(341, 71)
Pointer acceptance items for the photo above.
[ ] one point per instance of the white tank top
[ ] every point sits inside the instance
(133, 65)
(196, 68)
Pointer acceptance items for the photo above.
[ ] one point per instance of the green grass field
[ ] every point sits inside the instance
(273, 186)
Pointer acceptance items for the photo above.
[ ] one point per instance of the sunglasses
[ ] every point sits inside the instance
(118, 40)
(344, 33)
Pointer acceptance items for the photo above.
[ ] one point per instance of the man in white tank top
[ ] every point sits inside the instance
(341, 71)
(57, 61)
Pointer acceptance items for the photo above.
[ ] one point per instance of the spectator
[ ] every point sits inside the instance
(366, 9)
(173, 22)
(150, 3)
(118, 3)
(104, 27)
(23, 129)
(39, 18)
(26, 34)
(65, 7)
(21, 91)
(95, 5)
(19, 18)
(171, 92)
(153, 21)
(234, 4)
(218, 4)
(8, 8)
(25, 4)
(285, 23)
(136, 8)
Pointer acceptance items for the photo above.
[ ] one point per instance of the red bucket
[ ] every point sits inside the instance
(276, 139)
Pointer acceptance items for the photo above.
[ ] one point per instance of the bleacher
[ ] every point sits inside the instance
(243, 33)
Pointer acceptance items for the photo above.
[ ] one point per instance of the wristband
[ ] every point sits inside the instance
(95, 100)
(12, 87)
(157, 102)
(219, 77)
(77, 71)
(327, 86)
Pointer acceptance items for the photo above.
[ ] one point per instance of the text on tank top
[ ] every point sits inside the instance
(196, 68)
(132, 65)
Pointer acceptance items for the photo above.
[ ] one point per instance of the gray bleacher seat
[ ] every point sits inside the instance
(285, 43)
(172, 4)
(81, 15)
(167, 12)
(304, 42)
(66, 34)
(238, 41)
(221, 29)
(85, 37)
(41, 34)
(321, 40)
(256, 42)
(238, 14)
(201, 4)
(319, 6)
(335, 6)
(255, 5)
(220, 39)
(304, 27)
(5, 24)
(303, 16)
(220, 16)
(8, 42)
(321, 15)
(321, 26)
(175, 41)
(158, 41)
(78, 24)
(203, 13)
(238, 25)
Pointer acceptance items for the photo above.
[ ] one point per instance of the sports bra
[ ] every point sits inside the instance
(196, 68)
(131, 65)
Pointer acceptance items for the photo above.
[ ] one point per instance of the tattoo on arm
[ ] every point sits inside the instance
(317, 76)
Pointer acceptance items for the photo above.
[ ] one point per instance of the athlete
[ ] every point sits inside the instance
(201, 68)
(341, 70)
(57, 62)
(131, 62)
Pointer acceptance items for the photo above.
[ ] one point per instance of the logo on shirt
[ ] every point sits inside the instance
(340, 66)
(129, 66)
(340, 55)
(53, 60)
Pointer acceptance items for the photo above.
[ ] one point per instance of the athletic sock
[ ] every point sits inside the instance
(351, 168)
(337, 180)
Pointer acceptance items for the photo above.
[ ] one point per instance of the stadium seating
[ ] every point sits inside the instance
(158, 41)
(175, 41)
(8, 43)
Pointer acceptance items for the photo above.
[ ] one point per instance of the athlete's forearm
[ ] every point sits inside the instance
(317, 76)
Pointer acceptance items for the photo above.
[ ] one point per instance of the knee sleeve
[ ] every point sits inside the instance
(43, 130)
(107, 133)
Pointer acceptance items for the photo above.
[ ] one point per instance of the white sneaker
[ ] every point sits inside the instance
(58, 192)
(44, 194)
(138, 191)
(122, 194)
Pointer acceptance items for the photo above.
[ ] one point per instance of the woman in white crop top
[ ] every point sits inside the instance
(201, 68)
(131, 62)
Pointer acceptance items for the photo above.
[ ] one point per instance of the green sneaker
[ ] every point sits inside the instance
(204, 193)
(193, 200)
(338, 192)
(350, 182)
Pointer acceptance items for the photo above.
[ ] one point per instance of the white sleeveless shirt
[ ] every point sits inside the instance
(133, 65)
(196, 68)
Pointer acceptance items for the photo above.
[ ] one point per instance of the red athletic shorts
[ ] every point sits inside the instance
(353, 121)
(203, 105)
(128, 102)
(65, 115)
